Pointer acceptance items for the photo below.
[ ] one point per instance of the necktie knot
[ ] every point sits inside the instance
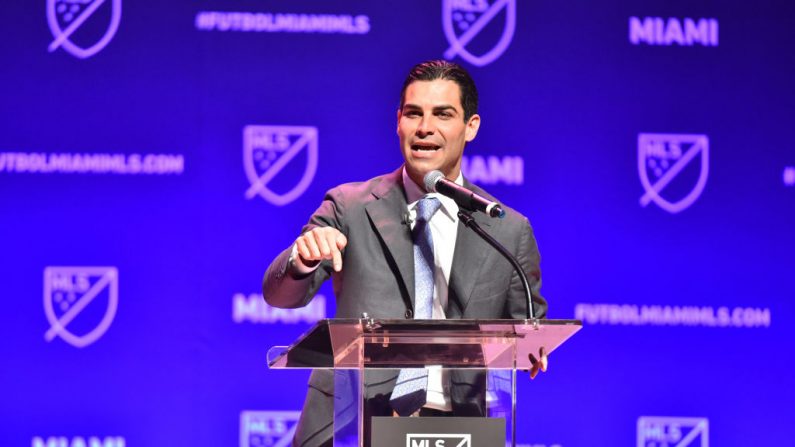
(426, 208)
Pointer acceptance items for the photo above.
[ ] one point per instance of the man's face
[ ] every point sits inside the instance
(432, 129)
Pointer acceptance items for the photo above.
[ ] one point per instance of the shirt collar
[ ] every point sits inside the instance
(414, 193)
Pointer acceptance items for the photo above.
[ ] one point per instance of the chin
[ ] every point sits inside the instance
(422, 171)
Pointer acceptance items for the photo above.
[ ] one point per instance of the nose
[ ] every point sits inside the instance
(425, 127)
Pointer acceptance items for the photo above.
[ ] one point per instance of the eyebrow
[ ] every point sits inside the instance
(438, 108)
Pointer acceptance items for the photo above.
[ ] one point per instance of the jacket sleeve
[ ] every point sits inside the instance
(284, 287)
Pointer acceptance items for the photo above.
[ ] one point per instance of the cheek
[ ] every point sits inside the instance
(456, 132)
(404, 132)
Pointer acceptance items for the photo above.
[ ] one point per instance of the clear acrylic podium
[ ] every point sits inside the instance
(486, 352)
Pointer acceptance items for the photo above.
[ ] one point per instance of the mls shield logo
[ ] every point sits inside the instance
(78, 26)
(80, 303)
(673, 169)
(268, 151)
(465, 20)
(656, 431)
(268, 428)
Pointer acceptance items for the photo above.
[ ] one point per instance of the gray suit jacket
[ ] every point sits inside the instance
(378, 278)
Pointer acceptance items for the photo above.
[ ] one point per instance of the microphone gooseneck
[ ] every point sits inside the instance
(469, 222)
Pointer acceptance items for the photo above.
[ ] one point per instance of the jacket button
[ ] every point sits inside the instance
(409, 314)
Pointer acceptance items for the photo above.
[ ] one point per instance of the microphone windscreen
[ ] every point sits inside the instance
(430, 180)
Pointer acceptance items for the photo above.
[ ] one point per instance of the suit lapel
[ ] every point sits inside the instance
(387, 215)
(470, 256)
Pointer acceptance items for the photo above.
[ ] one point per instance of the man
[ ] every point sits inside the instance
(389, 246)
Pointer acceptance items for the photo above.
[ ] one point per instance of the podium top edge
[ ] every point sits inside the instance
(389, 343)
(452, 322)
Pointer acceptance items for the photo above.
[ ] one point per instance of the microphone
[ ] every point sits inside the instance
(436, 182)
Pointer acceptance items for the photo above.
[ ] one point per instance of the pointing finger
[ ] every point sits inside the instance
(336, 257)
(330, 239)
(338, 243)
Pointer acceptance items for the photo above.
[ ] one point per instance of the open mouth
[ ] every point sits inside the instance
(425, 147)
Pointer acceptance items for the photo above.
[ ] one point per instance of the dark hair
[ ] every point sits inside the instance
(441, 69)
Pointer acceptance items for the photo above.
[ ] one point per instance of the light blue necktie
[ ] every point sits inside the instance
(411, 387)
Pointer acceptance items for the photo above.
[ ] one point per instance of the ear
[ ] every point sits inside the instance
(472, 127)
(397, 127)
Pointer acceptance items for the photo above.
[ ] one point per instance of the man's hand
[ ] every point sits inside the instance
(539, 365)
(319, 244)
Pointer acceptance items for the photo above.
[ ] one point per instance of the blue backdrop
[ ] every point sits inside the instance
(154, 158)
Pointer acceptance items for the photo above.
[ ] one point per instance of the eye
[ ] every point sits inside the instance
(412, 113)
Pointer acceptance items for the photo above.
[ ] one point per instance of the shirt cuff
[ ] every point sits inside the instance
(297, 265)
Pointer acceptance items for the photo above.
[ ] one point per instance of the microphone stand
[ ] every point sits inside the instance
(469, 222)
